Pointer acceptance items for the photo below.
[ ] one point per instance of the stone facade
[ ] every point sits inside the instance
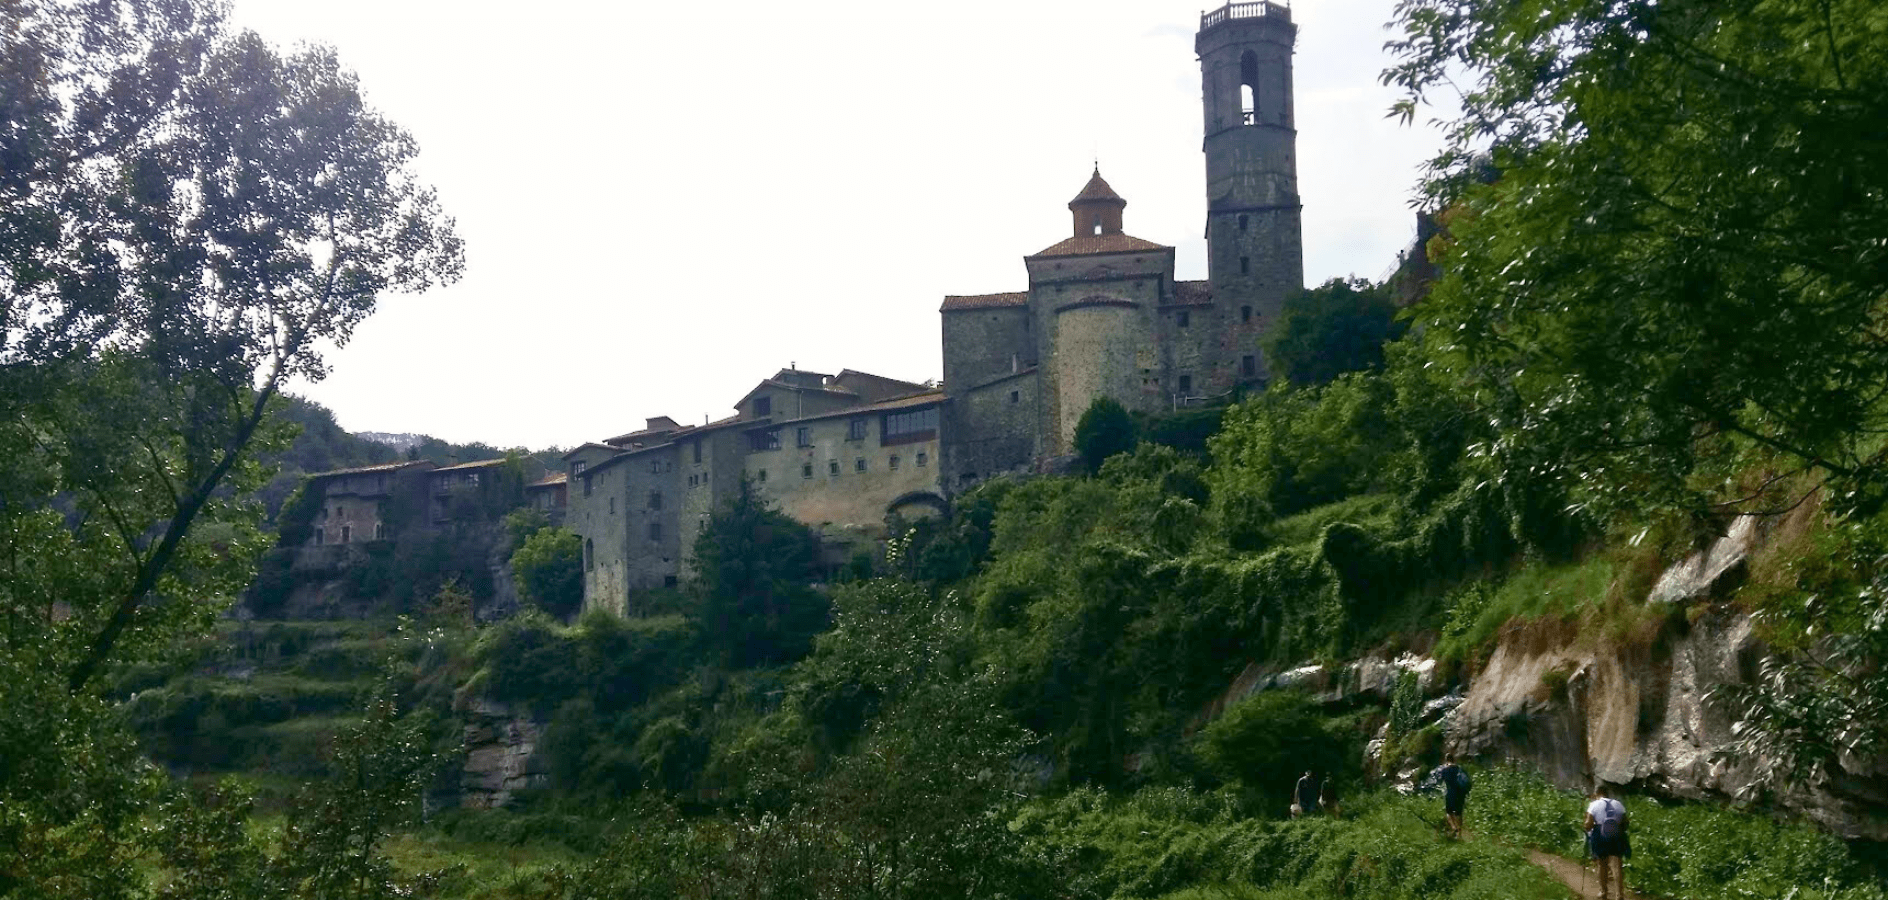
(844, 472)
(351, 510)
(1103, 315)
(639, 500)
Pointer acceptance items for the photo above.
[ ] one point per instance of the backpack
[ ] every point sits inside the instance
(1612, 819)
(1461, 779)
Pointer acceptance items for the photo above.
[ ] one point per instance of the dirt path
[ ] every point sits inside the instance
(1585, 885)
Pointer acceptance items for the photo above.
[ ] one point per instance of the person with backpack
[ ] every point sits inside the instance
(1455, 787)
(1305, 796)
(1607, 840)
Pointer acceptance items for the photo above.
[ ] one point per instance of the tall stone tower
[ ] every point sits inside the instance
(1254, 229)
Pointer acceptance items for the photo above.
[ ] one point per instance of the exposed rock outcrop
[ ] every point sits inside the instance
(1579, 710)
(501, 755)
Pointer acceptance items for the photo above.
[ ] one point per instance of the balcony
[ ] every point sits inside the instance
(1233, 11)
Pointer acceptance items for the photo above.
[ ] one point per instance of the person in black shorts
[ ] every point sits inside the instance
(1305, 796)
(1455, 786)
(1607, 840)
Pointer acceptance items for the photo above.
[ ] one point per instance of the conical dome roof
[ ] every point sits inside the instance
(1097, 191)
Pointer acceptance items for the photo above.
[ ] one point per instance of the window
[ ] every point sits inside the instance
(380, 531)
(1249, 88)
(577, 467)
(763, 406)
(921, 459)
(586, 485)
(806, 471)
(832, 467)
(324, 514)
(1016, 396)
(347, 533)
(855, 430)
(612, 506)
(905, 427)
(803, 436)
(655, 531)
(655, 499)
(1242, 221)
(1245, 313)
(668, 581)
(698, 449)
(655, 467)
(765, 440)
(321, 537)
(763, 476)
(1182, 319)
(1245, 265)
(858, 465)
(893, 464)
(1186, 385)
(1249, 366)
(589, 554)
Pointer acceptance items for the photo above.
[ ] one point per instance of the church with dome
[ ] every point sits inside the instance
(1103, 316)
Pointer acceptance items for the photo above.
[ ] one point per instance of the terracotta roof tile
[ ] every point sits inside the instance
(1097, 189)
(985, 301)
(1086, 244)
(383, 467)
(1191, 293)
(480, 464)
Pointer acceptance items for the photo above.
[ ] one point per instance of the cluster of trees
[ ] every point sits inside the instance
(1662, 277)
(187, 217)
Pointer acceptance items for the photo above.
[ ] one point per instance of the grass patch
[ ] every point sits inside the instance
(1534, 591)
(1174, 843)
(1687, 850)
(1368, 510)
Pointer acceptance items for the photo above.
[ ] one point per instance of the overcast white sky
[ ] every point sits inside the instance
(664, 202)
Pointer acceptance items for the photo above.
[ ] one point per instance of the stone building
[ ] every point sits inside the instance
(638, 500)
(1103, 314)
(352, 506)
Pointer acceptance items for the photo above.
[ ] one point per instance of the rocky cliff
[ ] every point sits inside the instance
(501, 755)
(1579, 709)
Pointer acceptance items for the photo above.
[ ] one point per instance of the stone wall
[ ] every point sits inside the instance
(985, 344)
(991, 430)
(802, 479)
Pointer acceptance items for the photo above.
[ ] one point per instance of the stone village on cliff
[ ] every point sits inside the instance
(1102, 316)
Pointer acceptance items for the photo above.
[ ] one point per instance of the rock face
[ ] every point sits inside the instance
(501, 755)
(1551, 701)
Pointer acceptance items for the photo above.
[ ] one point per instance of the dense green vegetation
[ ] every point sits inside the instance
(1660, 279)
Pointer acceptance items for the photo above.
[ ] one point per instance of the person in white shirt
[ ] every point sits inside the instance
(1607, 841)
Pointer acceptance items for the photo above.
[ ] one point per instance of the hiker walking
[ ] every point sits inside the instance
(1607, 840)
(1327, 797)
(1455, 787)
(1305, 798)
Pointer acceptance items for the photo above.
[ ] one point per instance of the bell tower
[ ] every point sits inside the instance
(1254, 229)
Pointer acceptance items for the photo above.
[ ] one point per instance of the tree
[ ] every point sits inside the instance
(548, 568)
(186, 219)
(1105, 429)
(754, 571)
(1337, 327)
(1680, 256)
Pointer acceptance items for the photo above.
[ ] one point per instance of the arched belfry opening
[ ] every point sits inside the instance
(1097, 208)
(1249, 88)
